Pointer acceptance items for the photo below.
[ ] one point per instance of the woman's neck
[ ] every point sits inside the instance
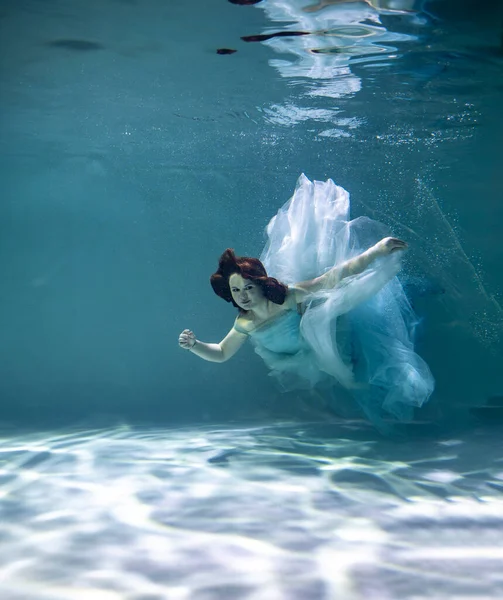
(262, 312)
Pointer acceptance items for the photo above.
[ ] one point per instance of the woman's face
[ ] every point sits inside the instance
(245, 293)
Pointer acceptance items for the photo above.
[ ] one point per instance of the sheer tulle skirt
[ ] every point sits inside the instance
(361, 333)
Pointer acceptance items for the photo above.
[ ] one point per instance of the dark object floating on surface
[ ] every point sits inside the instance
(77, 45)
(226, 51)
(245, 2)
(264, 37)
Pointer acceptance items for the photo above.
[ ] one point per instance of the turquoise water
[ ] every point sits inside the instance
(132, 155)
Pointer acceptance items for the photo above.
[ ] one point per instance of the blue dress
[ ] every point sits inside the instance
(356, 338)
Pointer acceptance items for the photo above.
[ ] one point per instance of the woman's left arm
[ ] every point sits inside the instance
(354, 266)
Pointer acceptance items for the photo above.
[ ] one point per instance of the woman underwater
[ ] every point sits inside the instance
(324, 308)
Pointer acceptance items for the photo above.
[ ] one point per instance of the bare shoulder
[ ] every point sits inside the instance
(244, 324)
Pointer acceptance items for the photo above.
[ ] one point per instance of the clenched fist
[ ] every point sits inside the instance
(187, 339)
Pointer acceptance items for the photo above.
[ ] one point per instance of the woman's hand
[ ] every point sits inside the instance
(187, 339)
(389, 245)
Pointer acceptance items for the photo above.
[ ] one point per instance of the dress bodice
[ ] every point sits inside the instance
(281, 334)
(280, 343)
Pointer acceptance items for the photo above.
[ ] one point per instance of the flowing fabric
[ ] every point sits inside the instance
(357, 336)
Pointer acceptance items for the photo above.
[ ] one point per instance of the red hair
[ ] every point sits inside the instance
(248, 268)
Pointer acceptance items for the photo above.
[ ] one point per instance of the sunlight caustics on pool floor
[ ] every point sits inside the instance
(275, 512)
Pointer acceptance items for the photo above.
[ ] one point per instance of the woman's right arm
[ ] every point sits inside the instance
(221, 352)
